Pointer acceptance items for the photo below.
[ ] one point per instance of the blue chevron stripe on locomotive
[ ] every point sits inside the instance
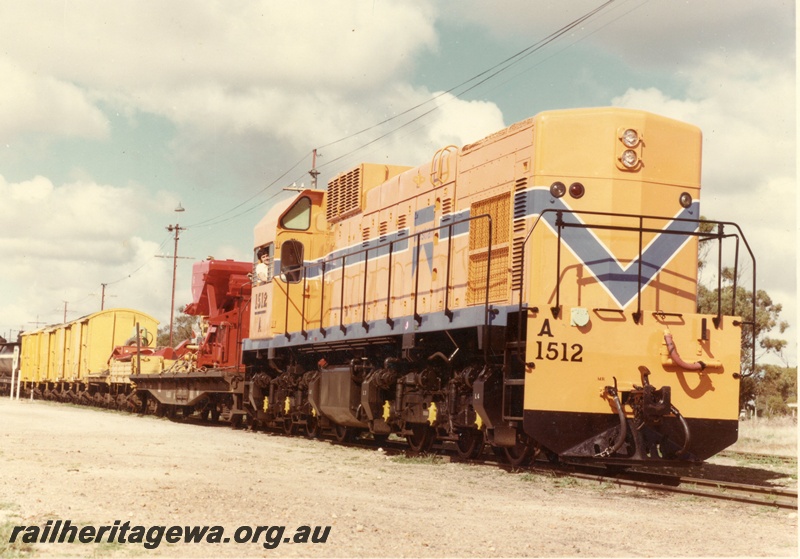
(620, 280)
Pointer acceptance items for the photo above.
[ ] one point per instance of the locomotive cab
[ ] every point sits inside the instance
(293, 232)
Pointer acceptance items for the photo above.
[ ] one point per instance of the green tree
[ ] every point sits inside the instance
(777, 388)
(758, 333)
(183, 329)
(767, 318)
(765, 325)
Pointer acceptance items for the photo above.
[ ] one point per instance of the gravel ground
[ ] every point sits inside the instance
(95, 467)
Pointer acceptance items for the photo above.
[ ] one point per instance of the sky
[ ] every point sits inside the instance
(113, 114)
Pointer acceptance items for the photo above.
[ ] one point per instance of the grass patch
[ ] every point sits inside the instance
(16, 549)
(430, 459)
(528, 477)
(768, 436)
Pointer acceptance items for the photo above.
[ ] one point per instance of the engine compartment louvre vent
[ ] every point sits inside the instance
(344, 195)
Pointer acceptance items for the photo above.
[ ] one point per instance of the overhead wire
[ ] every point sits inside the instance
(145, 263)
(508, 62)
(482, 77)
(579, 40)
(211, 221)
(456, 91)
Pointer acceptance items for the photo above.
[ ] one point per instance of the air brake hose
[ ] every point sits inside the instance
(672, 351)
(623, 425)
(687, 434)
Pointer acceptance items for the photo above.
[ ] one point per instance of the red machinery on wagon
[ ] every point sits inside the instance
(211, 375)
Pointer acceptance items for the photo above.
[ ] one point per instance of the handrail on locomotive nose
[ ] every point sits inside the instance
(719, 236)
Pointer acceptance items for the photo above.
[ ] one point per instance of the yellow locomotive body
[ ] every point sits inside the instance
(533, 290)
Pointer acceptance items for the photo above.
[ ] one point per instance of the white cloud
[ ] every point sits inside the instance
(149, 48)
(62, 241)
(746, 112)
(35, 103)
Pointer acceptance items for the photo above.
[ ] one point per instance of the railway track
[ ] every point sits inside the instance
(778, 497)
(754, 494)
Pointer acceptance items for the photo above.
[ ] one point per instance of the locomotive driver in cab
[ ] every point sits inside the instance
(262, 268)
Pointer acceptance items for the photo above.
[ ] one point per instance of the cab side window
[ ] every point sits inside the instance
(292, 261)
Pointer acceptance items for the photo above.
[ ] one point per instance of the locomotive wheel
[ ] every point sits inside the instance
(521, 453)
(312, 427)
(236, 421)
(421, 438)
(469, 444)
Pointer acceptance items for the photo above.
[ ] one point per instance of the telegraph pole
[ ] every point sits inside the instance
(313, 172)
(176, 229)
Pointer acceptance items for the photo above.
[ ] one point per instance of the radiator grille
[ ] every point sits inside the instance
(499, 208)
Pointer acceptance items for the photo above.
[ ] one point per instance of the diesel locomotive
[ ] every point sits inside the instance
(534, 291)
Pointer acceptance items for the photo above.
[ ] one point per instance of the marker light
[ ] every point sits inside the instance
(576, 190)
(557, 189)
(629, 158)
(630, 138)
(685, 199)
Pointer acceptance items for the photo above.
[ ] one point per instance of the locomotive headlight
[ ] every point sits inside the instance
(630, 138)
(576, 190)
(685, 199)
(558, 189)
(629, 158)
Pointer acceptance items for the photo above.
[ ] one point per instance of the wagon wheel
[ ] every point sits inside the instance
(521, 453)
(312, 427)
(469, 444)
(152, 406)
(122, 402)
(344, 434)
(289, 428)
(421, 438)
